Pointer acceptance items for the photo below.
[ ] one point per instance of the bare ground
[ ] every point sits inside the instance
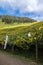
(7, 59)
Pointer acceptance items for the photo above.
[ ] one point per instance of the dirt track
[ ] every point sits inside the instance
(7, 59)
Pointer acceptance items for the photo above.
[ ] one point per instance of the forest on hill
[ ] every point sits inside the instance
(15, 19)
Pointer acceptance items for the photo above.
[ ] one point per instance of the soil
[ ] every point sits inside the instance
(7, 59)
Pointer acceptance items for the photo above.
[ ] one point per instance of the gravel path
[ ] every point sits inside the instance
(7, 59)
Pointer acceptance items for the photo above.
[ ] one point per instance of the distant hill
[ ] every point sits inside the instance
(12, 19)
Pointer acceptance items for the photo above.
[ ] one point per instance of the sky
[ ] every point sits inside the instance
(23, 8)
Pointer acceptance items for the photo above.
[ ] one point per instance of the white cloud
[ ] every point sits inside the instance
(38, 18)
(24, 6)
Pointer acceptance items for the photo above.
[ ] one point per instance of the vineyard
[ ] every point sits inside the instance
(18, 35)
(19, 41)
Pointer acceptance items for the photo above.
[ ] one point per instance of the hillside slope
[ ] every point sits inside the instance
(18, 34)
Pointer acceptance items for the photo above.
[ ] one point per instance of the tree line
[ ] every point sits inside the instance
(15, 19)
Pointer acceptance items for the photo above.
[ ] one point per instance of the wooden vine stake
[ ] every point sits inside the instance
(6, 41)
